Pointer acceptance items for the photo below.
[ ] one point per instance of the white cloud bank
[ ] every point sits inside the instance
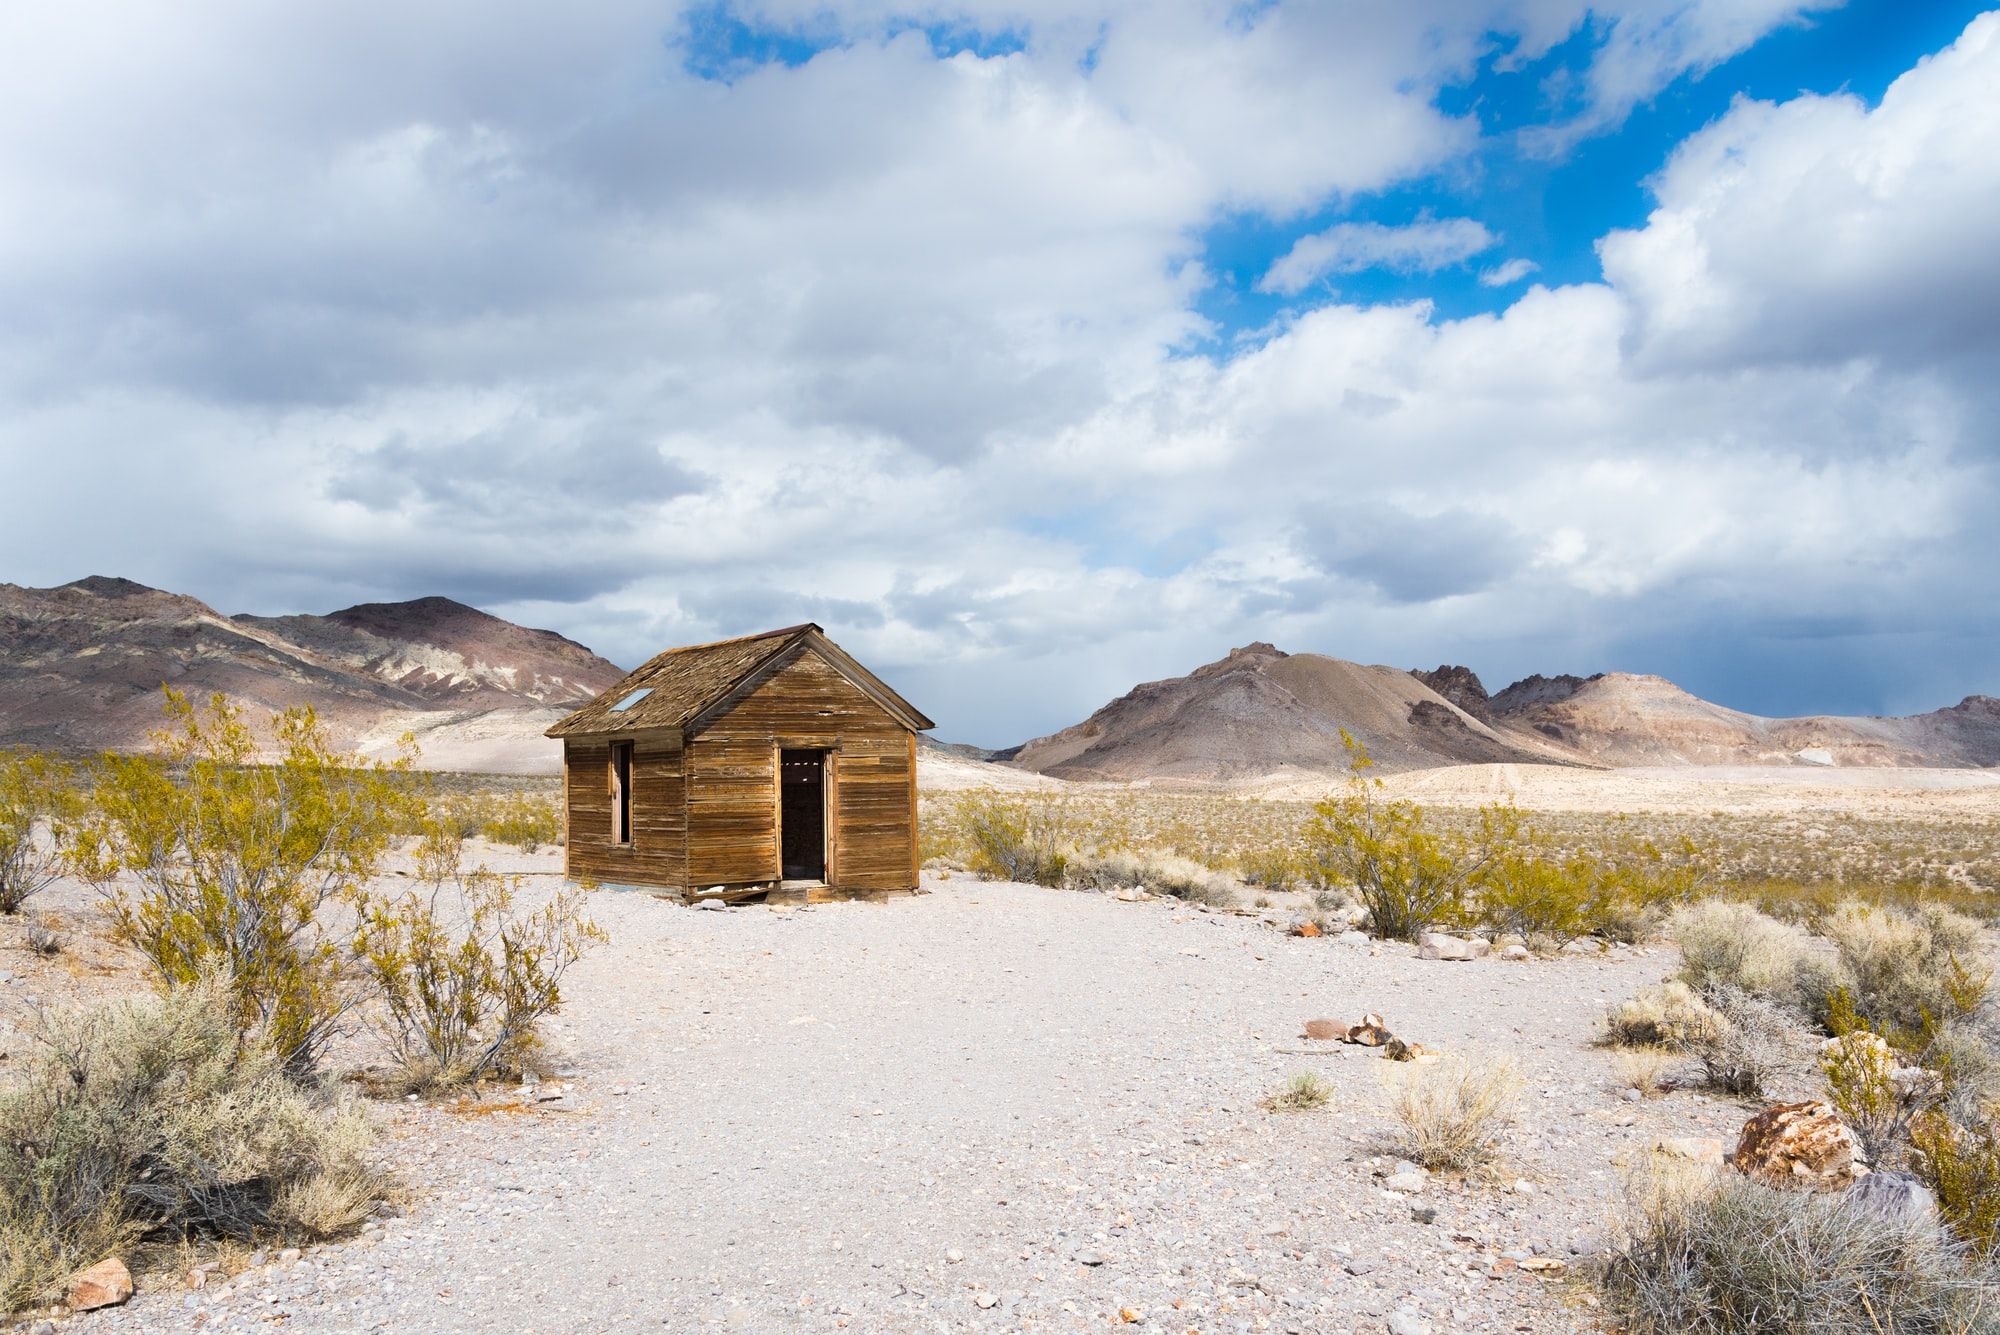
(514, 309)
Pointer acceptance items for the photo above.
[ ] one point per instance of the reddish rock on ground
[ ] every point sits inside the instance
(105, 1284)
(1326, 1030)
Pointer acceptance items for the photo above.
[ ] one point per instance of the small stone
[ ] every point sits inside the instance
(1423, 1214)
(1131, 1316)
(106, 1284)
(1522, 1187)
(1089, 1256)
(985, 1301)
(1514, 952)
(1326, 1030)
(1438, 946)
(289, 1255)
(1396, 1050)
(1631, 1095)
(1701, 1149)
(954, 1255)
(1407, 1183)
(1306, 929)
(710, 904)
(1405, 1322)
(1352, 937)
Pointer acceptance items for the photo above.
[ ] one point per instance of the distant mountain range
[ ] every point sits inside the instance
(81, 668)
(1260, 712)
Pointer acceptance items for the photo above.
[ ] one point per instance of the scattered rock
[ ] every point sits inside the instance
(106, 1284)
(1514, 952)
(1408, 1183)
(954, 1255)
(1306, 929)
(1396, 1050)
(1352, 937)
(1326, 1030)
(1798, 1144)
(1438, 946)
(985, 1301)
(1897, 1197)
(289, 1255)
(1090, 1257)
(1370, 1033)
(710, 904)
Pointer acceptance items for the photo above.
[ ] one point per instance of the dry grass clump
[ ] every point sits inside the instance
(1301, 1093)
(1644, 1069)
(1670, 1015)
(1453, 1111)
(147, 1122)
(1720, 1254)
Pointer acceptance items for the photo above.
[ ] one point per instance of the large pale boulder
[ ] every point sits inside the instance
(1897, 1197)
(1799, 1145)
(106, 1284)
(1438, 946)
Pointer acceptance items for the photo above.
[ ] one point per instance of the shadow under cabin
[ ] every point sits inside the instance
(772, 765)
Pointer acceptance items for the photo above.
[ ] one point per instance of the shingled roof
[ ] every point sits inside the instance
(683, 684)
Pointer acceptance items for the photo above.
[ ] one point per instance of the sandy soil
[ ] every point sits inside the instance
(991, 1107)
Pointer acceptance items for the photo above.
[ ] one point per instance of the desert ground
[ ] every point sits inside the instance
(990, 1106)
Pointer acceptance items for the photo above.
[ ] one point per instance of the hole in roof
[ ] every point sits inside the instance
(632, 699)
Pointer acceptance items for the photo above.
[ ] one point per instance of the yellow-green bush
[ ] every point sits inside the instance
(211, 862)
(1669, 1015)
(465, 977)
(39, 805)
(1909, 968)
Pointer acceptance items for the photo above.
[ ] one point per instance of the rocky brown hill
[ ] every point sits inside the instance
(81, 668)
(1622, 718)
(1260, 712)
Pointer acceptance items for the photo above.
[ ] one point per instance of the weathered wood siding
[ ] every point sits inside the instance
(657, 854)
(732, 776)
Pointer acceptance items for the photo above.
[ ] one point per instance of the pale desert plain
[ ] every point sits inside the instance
(994, 1106)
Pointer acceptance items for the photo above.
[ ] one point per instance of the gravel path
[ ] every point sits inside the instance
(994, 1107)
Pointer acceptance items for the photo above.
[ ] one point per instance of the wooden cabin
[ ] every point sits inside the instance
(769, 764)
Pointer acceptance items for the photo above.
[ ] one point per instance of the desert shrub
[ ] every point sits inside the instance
(465, 977)
(210, 862)
(1909, 968)
(1273, 867)
(1733, 945)
(1019, 839)
(1961, 1165)
(151, 1121)
(1452, 1112)
(1875, 1095)
(1752, 1046)
(1410, 875)
(1161, 873)
(38, 808)
(1301, 1093)
(43, 939)
(1720, 1254)
(525, 822)
(1670, 1015)
(1963, 1054)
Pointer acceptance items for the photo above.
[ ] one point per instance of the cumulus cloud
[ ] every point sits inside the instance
(1419, 247)
(1819, 228)
(907, 339)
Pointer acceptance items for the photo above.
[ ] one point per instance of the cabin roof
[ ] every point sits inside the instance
(682, 685)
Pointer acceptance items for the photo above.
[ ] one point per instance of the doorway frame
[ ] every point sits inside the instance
(829, 750)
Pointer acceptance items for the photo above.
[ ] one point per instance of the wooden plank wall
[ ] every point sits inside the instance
(732, 814)
(657, 855)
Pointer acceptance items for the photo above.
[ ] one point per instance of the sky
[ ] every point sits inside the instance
(1034, 349)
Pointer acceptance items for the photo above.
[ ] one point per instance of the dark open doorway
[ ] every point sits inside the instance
(802, 815)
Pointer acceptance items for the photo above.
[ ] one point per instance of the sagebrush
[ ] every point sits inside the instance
(146, 1122)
